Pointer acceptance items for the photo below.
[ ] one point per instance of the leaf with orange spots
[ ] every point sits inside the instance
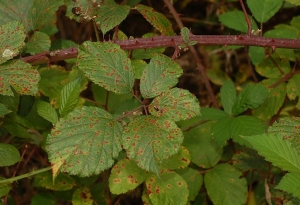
(149, 140)
(156, 19)
(179, 160)
(82, 196)
(159, 75)
(176, 104)
(20, 76)
(293, 89)
(38, 43)
(168, 188)
(12, 36)
(84, 143)
(125, 176)
(107, 65)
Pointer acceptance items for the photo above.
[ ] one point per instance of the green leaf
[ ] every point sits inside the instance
(212, 113)
(290, 183)
(295, 2)
(263, 10)
(3, 110)
(228, 96)
(84, 142)
(43, 198)
(276, 150)
(159, 75)
(175, 104)
(125, 176)
(204, 151)
(148, 140)
(224, 185)
(62, 182)
(179, 160)
(194, 180)
(236, 20)
(246, 126)
(4, 188)
(9, 155)
(156, 19)
(38, 43)
(69, 97)
(138, 67)
(185, 34)
(221, 130)
(46, 111)
(168, 188)
(107, 65)
(12, 36)
(293, 89)
(256, 54)
(273, 103)
(82, 196)
(248, 159)
(110, 15)
(20, 76)
(251, 97)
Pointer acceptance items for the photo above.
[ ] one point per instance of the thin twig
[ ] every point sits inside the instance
(247, 18)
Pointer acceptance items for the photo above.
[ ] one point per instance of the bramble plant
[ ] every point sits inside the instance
(105, 120)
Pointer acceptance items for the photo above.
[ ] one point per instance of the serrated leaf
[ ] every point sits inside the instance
(273, 67)
(82, 196)
(3, 110)
(212, 113)
(125, 176)
(293, 89)
(236, 20)
(12, 36)
(46, 111)
(69, 97)
(107, 65)
(204, 151)
(38, 43)
(159, 75)
(228, 96)
(62, 182)
(20, 76)
(138, 67)
(175, 104)
(9, 155)
(276, 150)
(220, 130)
(263, 10)
(289, 129)
(111, 14)
(256, 54)
(156, 19)
(193, 179)
(250, 97)
(224, 185)
(273, 103)
(290, 183)
(168, 188)
(185, 34)
(248, 159)
(148, 140)
(179, 160)
(84, 142)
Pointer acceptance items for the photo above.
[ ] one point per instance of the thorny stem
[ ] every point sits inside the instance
(247, 18)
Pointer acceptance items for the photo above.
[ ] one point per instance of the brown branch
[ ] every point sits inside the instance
(170, 41)
(247, 18)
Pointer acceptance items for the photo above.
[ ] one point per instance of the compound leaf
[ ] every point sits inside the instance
(148, 140)
(220, 130)
(125, 176)
(290, 183)
(82, 196)
(159, 75)
(110, 15)
(263, 10)
(224, 185)
(9, 155)
(20, 76)
(176, 104)
(46, 111)
(84, 142)
(12, 36)
(228, 96)
(107, 65)
(156, 19)
(277, 150)
(168, 188)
